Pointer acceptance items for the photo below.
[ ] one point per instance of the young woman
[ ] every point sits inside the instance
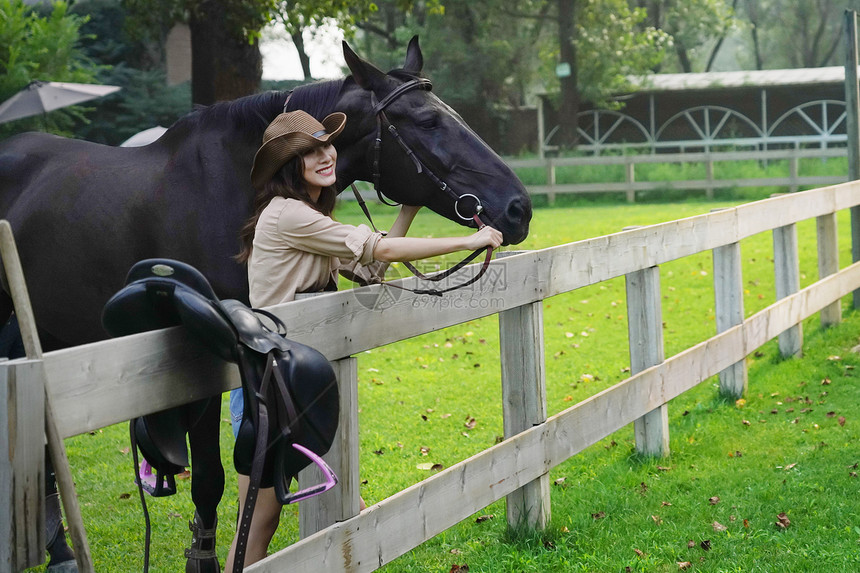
(292, 245)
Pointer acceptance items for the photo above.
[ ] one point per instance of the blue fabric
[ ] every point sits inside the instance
(237, 406)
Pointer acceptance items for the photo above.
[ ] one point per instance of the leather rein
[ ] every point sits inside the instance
(382, 121)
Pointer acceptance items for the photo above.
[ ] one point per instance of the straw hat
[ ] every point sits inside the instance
(292, 134)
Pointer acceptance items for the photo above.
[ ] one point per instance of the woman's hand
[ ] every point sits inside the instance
(486, 237)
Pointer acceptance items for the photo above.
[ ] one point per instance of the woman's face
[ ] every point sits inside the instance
(319, 167)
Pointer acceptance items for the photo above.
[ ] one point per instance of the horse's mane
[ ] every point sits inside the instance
(250, 114)
(253, 113)
(318, 98)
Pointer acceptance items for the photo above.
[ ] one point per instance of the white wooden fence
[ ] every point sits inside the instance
(113, 381)
(792, 180)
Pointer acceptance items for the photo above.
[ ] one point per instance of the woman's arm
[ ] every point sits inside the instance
(403, 222)
(396, 248)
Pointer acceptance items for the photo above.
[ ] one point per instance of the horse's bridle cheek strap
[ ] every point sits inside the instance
(420, 167)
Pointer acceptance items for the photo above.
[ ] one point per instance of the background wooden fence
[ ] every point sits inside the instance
(113, 381)
(793, 179)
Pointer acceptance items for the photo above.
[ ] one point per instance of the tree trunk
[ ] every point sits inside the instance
(567, 135)
(224, 65)
(683, 57)
(299, 43)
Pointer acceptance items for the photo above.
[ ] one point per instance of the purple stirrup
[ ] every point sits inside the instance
(330, 477)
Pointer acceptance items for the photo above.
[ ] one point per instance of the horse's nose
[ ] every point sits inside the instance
(518, 214)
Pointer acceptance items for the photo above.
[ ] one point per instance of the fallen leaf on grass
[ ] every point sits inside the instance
(714, 500)
(718, 526)
(470, 423)
(459, 568)
(639, 552)
(706, 544)
(124, 495)
(657, 519)
(598, 515)
(684, 565)
(483, 518)
(841, 420)
(782, 521)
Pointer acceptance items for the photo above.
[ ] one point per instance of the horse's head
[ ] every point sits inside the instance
(428, 155)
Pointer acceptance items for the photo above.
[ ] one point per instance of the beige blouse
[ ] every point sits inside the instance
(298, 249)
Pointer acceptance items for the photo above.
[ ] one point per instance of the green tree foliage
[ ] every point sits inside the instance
(487, 55)
(697, 27)
(791, 34)
(46, 47)
(134, 64)
(226, 59)
(612, 44)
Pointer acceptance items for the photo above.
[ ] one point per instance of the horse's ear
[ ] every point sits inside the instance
(414, 59)
(364, 73)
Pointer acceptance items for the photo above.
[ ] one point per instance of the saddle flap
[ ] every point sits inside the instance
(312, 394)
(161, 439)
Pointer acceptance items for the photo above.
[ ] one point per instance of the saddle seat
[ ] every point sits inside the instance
(290, 390)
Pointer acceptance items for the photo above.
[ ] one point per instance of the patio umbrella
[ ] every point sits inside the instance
(42, 97)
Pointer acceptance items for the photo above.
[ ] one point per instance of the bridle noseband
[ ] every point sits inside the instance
(381, 121)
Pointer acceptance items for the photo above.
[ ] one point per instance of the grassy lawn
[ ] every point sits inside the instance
(436, 399)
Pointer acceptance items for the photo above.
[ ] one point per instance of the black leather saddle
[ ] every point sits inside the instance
(290, 390)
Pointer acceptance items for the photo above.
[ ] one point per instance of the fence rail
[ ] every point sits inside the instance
(112, 381)
(630, 186)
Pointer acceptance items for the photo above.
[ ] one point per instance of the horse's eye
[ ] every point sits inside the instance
(429, 121)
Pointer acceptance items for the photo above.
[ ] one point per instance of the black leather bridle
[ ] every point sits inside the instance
(381, 122)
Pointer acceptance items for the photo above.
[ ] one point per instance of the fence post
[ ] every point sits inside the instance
(524, 401)
(729, 310)
(22, 464)
(828, 263)
(550, 180)
(787, 275)
(341, 502)
(645, 330)
(709, 174)
(852, 128)
(56, 447)
(793, 172)
(630, 177)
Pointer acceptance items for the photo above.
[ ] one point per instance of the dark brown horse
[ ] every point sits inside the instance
(84, 213)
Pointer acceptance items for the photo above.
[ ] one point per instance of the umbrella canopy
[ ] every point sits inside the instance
(42, 97)
(144, 137)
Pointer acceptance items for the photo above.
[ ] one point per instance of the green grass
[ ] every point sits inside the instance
(416, 396)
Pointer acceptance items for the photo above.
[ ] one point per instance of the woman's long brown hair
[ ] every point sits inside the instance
(287, 182)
